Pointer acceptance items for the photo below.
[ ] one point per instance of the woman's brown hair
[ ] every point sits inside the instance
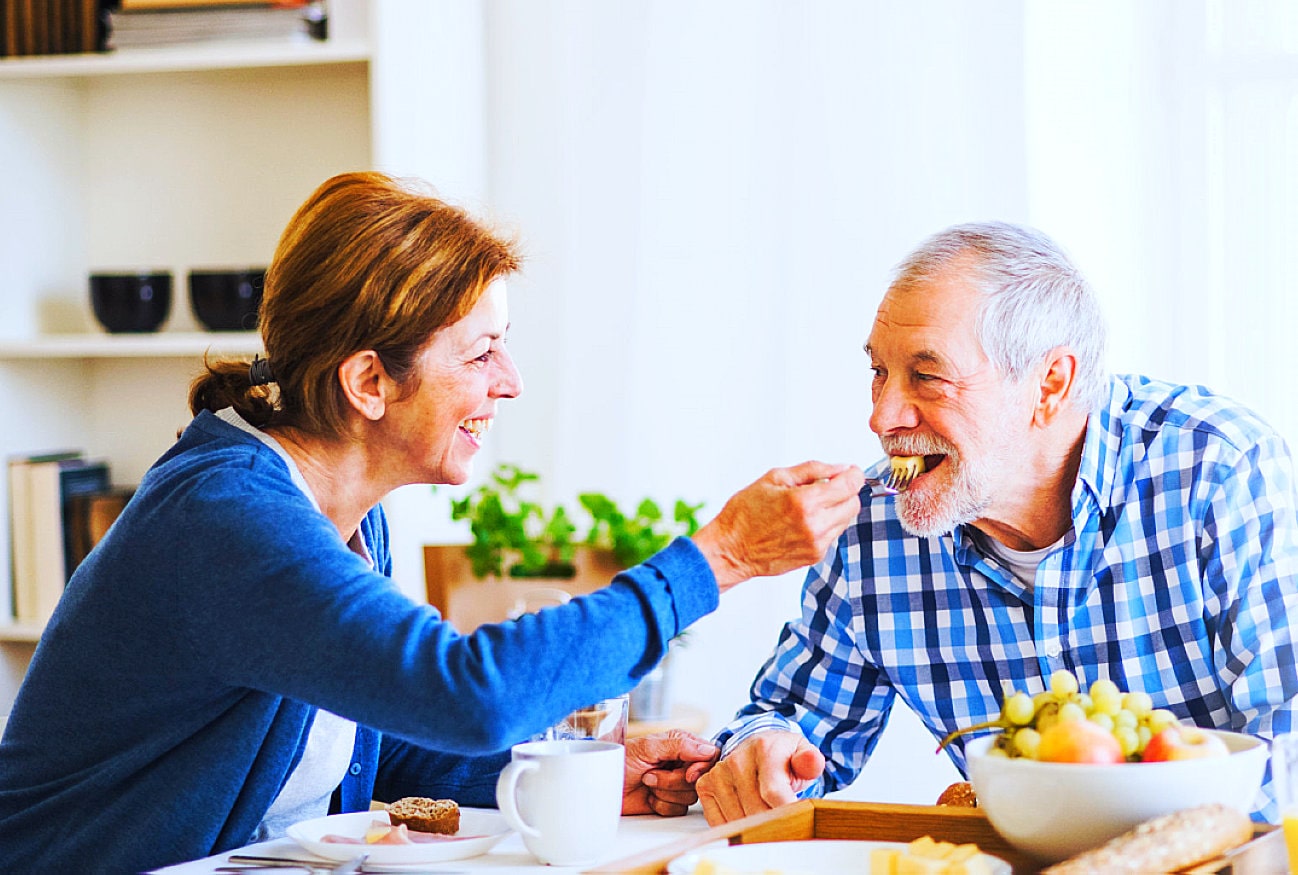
(368, 262)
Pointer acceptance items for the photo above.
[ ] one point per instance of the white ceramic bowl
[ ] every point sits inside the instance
(1055, 810)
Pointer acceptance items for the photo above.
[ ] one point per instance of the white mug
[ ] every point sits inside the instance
(564, 798)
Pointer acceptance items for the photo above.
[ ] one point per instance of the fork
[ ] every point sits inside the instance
(896, 481)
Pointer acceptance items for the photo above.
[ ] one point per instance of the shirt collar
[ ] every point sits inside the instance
(228, 415)
(1098, 472)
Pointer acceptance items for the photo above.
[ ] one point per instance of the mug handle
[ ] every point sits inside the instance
(506, 795)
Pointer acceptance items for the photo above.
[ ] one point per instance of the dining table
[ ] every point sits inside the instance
(636, 834)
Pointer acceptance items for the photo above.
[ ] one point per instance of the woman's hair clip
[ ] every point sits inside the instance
(259, 372)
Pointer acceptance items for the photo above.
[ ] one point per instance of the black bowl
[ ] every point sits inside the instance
(227, 300)
(131, 302)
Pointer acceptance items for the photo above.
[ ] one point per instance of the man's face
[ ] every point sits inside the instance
(936, 394)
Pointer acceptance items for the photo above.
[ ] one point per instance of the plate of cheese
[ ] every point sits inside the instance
(843, 857)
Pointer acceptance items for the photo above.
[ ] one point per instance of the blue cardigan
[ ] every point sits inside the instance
(172, 692)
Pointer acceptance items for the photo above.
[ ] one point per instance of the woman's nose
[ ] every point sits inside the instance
(509, 382)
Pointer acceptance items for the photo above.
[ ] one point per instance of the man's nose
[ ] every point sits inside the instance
(892, 409)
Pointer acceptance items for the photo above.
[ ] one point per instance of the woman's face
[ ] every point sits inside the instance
(462, 372)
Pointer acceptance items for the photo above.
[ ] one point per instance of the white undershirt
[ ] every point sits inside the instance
(1021, 564)
(331, 740)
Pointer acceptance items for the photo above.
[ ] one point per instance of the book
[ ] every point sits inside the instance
(22, 536)
(89, 516)
(41, 489)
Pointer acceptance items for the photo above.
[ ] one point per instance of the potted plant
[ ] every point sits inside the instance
(525, 547)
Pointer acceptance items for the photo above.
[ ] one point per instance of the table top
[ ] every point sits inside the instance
(510, 857)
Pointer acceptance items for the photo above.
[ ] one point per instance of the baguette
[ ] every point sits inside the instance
(1165, 844)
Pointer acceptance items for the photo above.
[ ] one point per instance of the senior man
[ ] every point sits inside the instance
(1118, 527)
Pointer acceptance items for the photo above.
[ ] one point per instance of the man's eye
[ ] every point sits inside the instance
(926, 378)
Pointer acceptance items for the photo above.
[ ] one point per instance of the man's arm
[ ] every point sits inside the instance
(1249, 556)
(817, 708)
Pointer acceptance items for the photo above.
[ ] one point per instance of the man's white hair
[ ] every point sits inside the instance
(1035, 299)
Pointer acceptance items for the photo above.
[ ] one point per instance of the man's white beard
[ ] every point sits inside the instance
(940, 507)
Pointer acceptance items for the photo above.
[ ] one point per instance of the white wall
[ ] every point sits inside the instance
(712, 196)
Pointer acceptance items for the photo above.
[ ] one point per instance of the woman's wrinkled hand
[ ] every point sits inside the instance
(661, 770)
(785, 520)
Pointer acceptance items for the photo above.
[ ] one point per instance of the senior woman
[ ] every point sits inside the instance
(233, 656)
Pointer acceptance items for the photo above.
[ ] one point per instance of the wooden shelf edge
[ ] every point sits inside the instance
(197, 56)
(25, 633)
(178, 344)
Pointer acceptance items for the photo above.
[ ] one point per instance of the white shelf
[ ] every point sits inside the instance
(216, 55)
(165, 344)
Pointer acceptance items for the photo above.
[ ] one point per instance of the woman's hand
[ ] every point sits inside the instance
(785, 520)
(661, 770)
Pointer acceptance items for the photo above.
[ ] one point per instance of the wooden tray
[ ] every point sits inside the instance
(870, 821)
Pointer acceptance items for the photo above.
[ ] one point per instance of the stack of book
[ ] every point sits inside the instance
(141, 23)
(60, 505)
(50, 27)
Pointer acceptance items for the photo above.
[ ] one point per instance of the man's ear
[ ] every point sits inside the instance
(365, 383)
(1058, 374)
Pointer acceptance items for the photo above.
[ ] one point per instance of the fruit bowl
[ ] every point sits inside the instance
(1055, 810)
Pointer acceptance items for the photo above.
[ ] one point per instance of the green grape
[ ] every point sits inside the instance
(1026, 742)
(1143, 735)
(1127, 738)
(1105, 721)
(1106, 698)
(1046, 719)
(1019, 709)
(1159, 719)
(1071, 712)
(1063, 683)
(1125, 718)
(1137, 703)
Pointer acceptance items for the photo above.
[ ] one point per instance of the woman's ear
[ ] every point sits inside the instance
(365, 383)
(1056, 386)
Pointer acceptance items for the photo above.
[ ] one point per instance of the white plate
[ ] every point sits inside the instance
(488, 827)
(817, 857)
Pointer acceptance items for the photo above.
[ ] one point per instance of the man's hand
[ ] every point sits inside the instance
(785, 520)
(655, 780)
(763, 772)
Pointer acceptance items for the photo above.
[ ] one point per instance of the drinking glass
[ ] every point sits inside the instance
(602, 721)
(1284, 775)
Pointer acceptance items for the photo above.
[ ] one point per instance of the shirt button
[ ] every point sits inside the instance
(1053, 650)
(355, 769)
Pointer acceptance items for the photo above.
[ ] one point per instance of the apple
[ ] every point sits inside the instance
(1183, 743)
(1079, 741)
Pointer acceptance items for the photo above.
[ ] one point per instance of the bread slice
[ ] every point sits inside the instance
(1165, 844)
(422, 814)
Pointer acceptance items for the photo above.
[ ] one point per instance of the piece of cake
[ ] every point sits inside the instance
(422, 814)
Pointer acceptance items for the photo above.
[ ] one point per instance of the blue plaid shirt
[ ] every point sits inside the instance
(1179, 577)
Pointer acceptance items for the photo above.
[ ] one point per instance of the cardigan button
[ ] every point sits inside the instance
(355, 768)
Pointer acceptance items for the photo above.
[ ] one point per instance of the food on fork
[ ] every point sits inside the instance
(422, 814)
(925, 856)
(1169, 843)
(908, 467)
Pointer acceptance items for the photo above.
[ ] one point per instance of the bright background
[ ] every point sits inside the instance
(712, 196)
